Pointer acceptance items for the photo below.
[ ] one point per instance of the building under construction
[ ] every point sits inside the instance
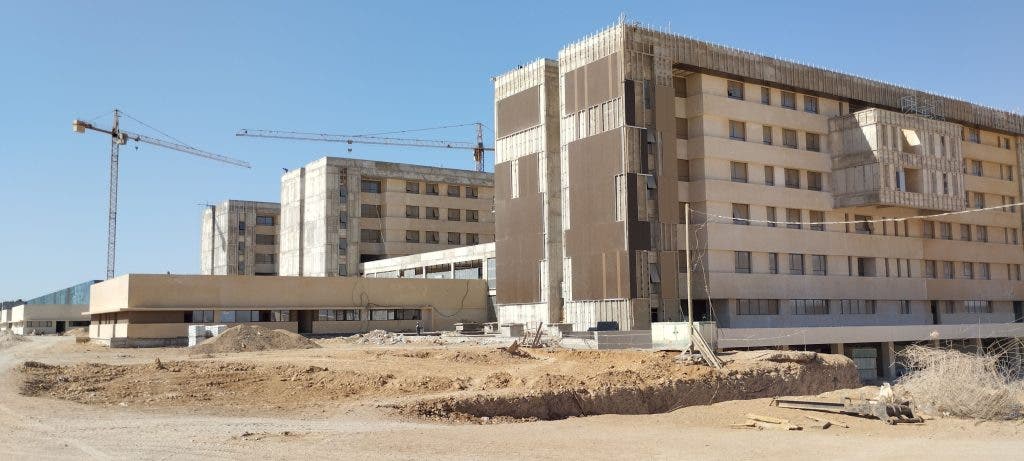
(827, 209)
(239, 237)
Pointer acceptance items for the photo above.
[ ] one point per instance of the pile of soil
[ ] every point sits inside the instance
(8, 339)
(77, 332)
(380, 338)
(248, 338)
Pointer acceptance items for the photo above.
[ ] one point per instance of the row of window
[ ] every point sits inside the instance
(237, 316)
(867, 267)
(812, 141)
(413, 212)
(978, 169)
(39, 323)
(973, 135)
(260, 221)
(849, 306)
(862, 224)
(454, 238)
(374, 186)
(736, 90)
(740, 172)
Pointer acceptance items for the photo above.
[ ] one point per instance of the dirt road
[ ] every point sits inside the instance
(45, 428)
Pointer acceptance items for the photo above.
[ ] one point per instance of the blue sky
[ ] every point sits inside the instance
(201, 70)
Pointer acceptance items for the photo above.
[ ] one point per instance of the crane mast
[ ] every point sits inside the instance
(478, 147)
(119, 138)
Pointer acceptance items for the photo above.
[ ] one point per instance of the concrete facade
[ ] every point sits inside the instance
(52, 313)
(240, 237)
(337, 213)
(778, 161)
(472, 262)
(156, 310)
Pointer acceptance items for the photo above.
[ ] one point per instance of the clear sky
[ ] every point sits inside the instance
(201, 70)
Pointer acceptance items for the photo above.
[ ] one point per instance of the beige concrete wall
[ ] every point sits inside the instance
(219, 247)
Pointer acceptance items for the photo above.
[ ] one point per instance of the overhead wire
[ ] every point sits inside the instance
(157, 130)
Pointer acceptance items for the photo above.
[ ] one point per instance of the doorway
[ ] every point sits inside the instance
(60, 327)
(935, 312)
(306, 321)
(1018, 311)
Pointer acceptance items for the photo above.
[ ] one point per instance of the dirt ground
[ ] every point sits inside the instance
(425, 400)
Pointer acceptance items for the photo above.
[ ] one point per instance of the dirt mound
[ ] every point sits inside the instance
(78, 332)
(379, 337)
(647, 390)
(248, 338)
(8, 339)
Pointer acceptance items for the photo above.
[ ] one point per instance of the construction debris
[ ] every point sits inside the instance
(8, 338)
(767, 422)
(944, 382)
(247, 338)
(889, 413)
(380, 338)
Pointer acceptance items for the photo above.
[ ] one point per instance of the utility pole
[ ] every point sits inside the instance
(689, 275)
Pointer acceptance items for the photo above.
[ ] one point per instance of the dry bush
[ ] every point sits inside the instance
(984, 386)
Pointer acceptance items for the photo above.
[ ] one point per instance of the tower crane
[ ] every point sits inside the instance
(119, 138)
(478, 148)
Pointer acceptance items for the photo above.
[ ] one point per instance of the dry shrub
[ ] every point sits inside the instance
(983, 386)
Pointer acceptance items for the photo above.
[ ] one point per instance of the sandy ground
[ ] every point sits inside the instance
(47, 428)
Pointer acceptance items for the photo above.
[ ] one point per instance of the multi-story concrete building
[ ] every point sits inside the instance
(337, 213)
(805, 185)
(240, 237)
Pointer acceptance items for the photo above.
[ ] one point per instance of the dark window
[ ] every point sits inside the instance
(757, 307)
(792, 178)
(454, 191)
(472, 239)
(789, 139)
(454, 238)
(743, 262)
(412, 236)
(766, 95)
(793, 218)
(412, 187)
(432, 189)
(472, 192)
(370, 235)
(796, 264)
(810, 104)
(369, 211)
(735, 90)
(264, 220)
(433, 213)
(265, 239)
(739, 171)
(819, 265)
(432, 237)
(370, 185)
(412, 211)
(817, 219)
(789, 100)
(740, 214)
(454, 214)
(737, 130)
(810, 306)
(813, 180)
(814, 142)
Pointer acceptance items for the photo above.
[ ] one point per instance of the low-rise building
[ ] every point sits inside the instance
(472, 262)
(52, 313)
(156, 310)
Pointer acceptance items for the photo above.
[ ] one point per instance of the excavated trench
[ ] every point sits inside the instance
(631, 394)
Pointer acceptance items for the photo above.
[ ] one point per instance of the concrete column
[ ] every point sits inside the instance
(978, 347)
(888, 358)
(839, 348)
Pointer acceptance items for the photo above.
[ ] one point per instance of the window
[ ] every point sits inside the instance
(929, 270)
(265, 239)
(205, 316)
(454, 191)
(773, 263)
(432, 237)
(264, 220)
(472, 215)
(984, 271)
(740, 214)
(789, 138)
(472, 192)
(241, 247)
(735, 90)
(947, 270)
(968, 270)
(813, 142)
(369, 211)
(973, 135)
(412, 187)
(771, 217)
(343, 221)
(976, 168)
(757, 307)
(789, 100)
(412, 211)
(769, 175)
(979, 200)
(265, 258)
(682, 128)
(978, 307)
(241, 227)
(742, 262)
(412, 236)
(796, 264)
(946, 231)
(1014, 272)
(857, 306)
(928, 229)
(809, 306)
(817, 220)
(792, 178)
(342, 270)
(433, 213)
(792, 218)
(813, 180)
(433, 189)
(766, 96)
(338, 315)
(810, 104)
(766, 135)
(472, 239)
(454, 214)
(1013, 236)
(965, 232)
(680, 86)
(370, 185)
(683, 169)
(739, 171)
(819, 265)
(866, 267)
(454, 238)
(737, 130)
(905, 307)
(369, 235)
